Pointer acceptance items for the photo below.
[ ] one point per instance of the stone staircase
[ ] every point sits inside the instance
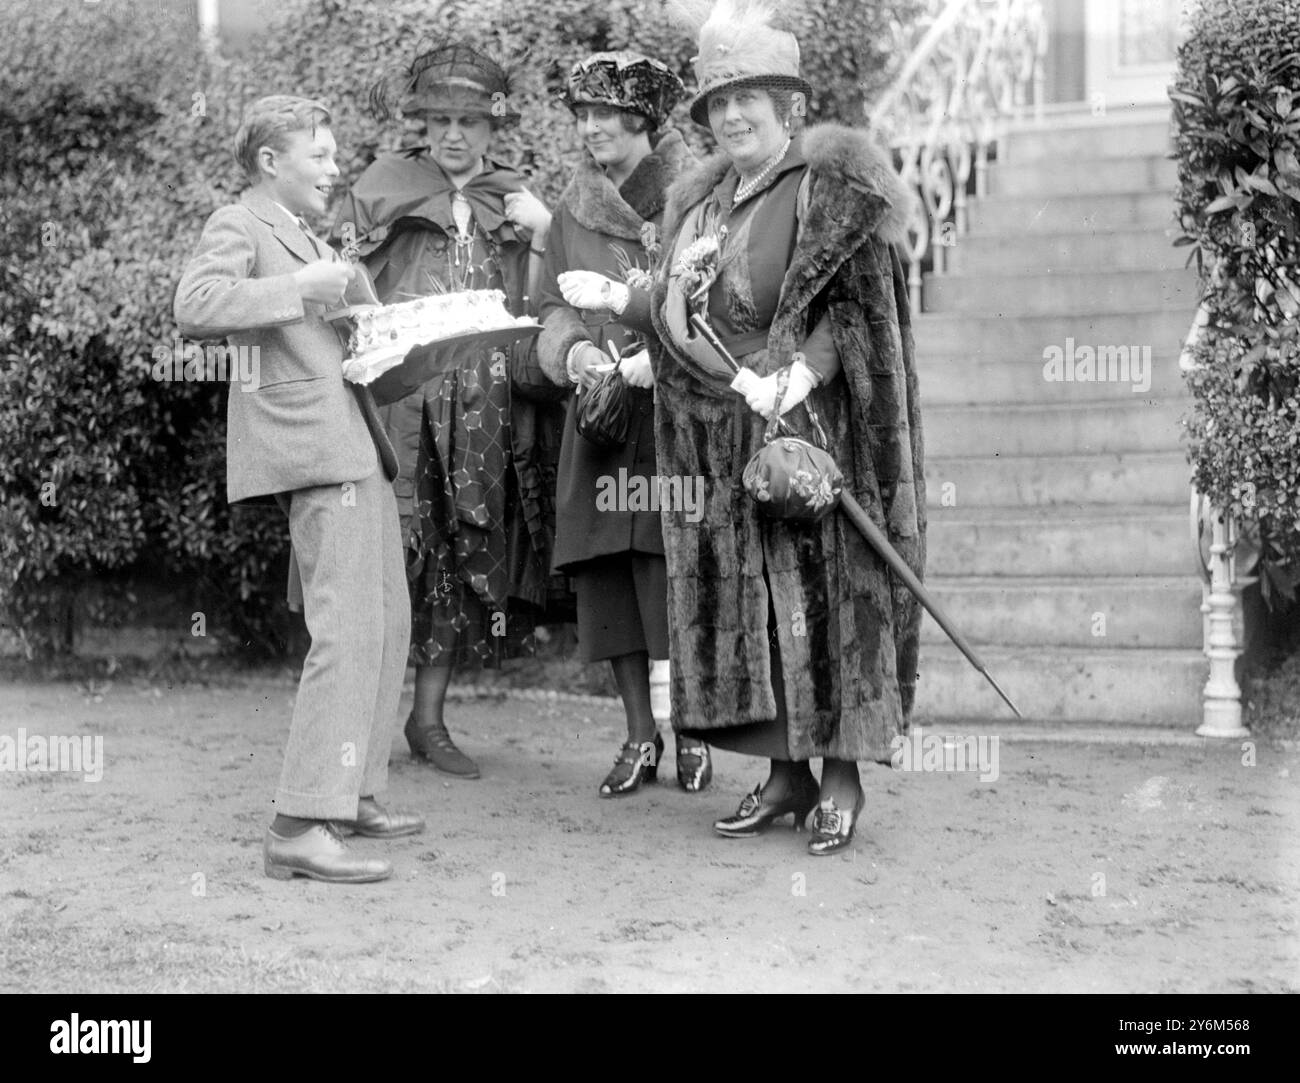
(1058, 537)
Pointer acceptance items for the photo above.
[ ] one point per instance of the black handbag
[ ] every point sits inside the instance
(603, 415)
(790, 477)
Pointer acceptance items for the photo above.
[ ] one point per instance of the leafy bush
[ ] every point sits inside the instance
(1273, 701)
(84, 435)
(1237, 126)
(117, 127)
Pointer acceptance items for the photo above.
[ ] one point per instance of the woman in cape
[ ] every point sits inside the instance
(605, 231)
(478, 443)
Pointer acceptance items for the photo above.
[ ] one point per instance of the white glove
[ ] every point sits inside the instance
(760, 391)
(635, 370)
(745, 381)
(802, 381)
(586, 289)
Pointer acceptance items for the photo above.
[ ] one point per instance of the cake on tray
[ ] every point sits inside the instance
(382, 335)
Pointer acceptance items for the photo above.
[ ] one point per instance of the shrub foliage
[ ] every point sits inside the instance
(117, 125)
(1237, 126)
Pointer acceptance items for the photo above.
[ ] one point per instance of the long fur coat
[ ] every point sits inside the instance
(847, 630)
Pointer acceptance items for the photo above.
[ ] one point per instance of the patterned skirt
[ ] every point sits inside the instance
(468, 538)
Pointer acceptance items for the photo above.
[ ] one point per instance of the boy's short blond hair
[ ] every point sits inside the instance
(269, 121)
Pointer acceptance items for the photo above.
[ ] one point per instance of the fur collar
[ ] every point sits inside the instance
(848, 160)
(598, 206)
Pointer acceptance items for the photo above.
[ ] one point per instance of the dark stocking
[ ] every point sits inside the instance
(632, 675)
(430, 695)
(288, 827)
(785, 776)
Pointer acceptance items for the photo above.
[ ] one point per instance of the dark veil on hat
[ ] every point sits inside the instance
(456, 77)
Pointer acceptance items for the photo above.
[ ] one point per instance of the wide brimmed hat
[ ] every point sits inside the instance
(625, 80)
(452, 78)
(739, 47)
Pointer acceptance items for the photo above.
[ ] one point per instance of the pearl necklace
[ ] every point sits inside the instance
(747, 188)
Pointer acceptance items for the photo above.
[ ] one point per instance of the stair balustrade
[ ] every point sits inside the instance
(970, 66)
(1215, 538)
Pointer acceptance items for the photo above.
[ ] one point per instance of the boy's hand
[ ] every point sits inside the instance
(324, 281)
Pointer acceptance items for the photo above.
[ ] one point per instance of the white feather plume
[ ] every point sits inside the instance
(696, 14)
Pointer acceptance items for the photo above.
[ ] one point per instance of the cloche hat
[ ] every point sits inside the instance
(625, 80)
(738, 47)
(452, 78)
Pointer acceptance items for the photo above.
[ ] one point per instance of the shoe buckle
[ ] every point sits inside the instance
(827, 821)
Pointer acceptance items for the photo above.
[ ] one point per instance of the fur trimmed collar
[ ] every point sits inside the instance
(849, 159)
(598, 206)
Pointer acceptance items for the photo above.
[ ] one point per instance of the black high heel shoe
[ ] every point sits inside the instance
(637, 762)
(694, 764)
(755, 815)
(833, 827)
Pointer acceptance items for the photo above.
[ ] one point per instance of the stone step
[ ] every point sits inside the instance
(1123, 250)
(1065, 293)
(1154, 687)
(1074, 176)
(1014, 481)
(1017, 216)
(957, 381)
(1133, 424)
(973, 336)
(1100, 613)
(1058, 140)
(1059, 540)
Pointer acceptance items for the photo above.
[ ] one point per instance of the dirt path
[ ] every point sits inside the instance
(1084, 867)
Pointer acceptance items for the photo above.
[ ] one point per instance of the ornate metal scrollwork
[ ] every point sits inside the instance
(970, 64)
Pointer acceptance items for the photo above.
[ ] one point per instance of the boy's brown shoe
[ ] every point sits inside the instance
(319, 853)
(376, 822)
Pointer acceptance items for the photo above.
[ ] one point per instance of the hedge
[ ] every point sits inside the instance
(1237, 128)
(117, 126)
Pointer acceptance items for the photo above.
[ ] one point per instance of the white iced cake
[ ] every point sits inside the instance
(384, 334)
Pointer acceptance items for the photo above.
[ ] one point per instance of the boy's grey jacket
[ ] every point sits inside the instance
(303, 425)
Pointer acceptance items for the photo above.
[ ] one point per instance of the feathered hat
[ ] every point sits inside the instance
(739, 46)
(625, 80)
(451, 78)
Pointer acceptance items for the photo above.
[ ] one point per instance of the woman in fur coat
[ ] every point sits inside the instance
(608, 538)
(789, 639)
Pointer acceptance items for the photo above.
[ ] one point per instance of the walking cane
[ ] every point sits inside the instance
(876, 537)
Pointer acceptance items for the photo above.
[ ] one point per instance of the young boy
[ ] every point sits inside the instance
(261, 278)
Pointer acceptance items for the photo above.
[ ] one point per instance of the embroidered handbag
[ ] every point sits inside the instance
(790, 477)
(603, 416)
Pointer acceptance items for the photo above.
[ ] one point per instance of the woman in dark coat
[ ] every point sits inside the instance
(605, 232)
(789, 639)
(477, 444)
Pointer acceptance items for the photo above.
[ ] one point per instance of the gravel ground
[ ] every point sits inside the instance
(1129, 862)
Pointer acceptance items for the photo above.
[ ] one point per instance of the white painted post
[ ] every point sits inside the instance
(1222, 707)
